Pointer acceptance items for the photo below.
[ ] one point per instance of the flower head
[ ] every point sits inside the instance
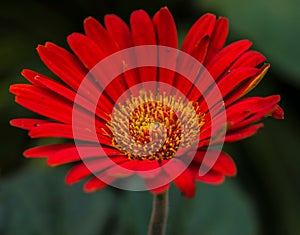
(148, 120)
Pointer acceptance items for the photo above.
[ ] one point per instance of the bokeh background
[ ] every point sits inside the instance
(263, 199)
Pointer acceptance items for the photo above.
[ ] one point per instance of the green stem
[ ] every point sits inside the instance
(158, 221)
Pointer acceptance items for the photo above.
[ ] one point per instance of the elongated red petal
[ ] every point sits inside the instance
(119, 30)
(85, 49)
(218, 38)
(94, 184)
(42, 81)
(248, 59)
(242, 133)
(143, 33)
(42, 102)
(45, 151)
(278, 113)
(186, 183)
(165, 28)
(232, 80)
(166, 34)
(160, 189)
(92, 167)
(121, 33)
(28, 123)
(210, 177)
(77, 173)
(90, 55)
(222, 164)
(95, 31)
(63, 64)
(77, 153)
(153, 182)
(245, 87)
(187, 87)
(142, 29)
(218, 65)
(204, 26)
(250, 110)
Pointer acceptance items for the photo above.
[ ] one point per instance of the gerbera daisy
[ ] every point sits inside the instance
(150, 120)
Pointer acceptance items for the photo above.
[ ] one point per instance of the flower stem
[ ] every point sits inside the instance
(158, 221)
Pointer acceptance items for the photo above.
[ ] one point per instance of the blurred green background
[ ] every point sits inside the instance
(263, 199)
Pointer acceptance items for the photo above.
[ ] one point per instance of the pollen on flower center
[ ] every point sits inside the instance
(154, 127)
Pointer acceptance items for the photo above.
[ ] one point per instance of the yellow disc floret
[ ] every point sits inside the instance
(154, 127)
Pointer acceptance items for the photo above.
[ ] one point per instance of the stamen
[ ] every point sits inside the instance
(161, 124)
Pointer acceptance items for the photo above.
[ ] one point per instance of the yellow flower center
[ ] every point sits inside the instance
(155, 127)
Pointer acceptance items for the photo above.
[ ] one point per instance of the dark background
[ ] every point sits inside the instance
(262, 199)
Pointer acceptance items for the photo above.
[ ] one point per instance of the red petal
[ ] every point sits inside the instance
(45, 151)
(152, 183)
(45, 82)
(123, 168)
(77, 153)
(122, 35)
(226, 57)
(43, 102)
(222, 164)
(58, 154)
(211, 177)
(148, 165)
(250, 110)
(200, 49)
(61, 131)
(85, 49)
(119, 31)
(82, 170)
(218, 38)
(142, 28)
(174, 167)
(237, 76)
(104, 177)
(249, 86)
(165, 28)
(250, 58)
(186, 183)
(90, 55)
(77, 173)
(186, 86)
(242, 133)
(246, 87)
(27, 123)
(30, 76)
(66, 131)
(95, 31)
(203, 27)
(41, 80)
(278, 113)
(63, 64)
(167, 36)
(143, 33)
(161, 189)
(50, 105)
(94, 184)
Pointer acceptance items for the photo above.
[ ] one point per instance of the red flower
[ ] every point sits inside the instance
(235, 69)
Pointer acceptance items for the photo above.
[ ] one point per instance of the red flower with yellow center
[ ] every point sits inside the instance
(130, 131)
